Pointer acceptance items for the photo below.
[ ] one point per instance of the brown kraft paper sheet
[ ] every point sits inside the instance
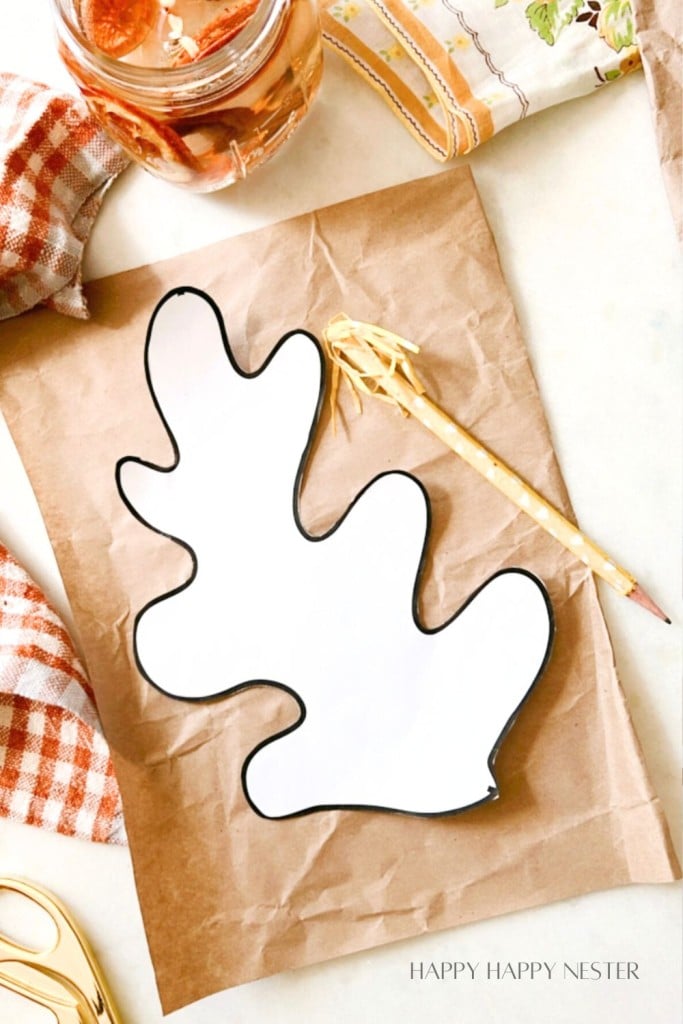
(228, 896)
(659, 24)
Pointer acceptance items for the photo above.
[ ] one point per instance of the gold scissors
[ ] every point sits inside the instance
(66, 978)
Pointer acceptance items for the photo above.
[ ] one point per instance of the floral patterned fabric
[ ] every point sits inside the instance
(458, 71)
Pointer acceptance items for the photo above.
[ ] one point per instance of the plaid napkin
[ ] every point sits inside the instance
(55, 768)
(458, 71)
(55, 166)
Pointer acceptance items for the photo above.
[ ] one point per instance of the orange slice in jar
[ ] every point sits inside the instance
(118, 26)
(224, 27)
(145, 138)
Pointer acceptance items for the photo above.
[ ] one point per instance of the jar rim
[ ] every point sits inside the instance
(233, 60)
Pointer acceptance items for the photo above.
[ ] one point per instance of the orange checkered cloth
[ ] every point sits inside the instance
(55, 766)
(56, 163)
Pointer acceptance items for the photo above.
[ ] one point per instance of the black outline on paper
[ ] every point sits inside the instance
(493, 792)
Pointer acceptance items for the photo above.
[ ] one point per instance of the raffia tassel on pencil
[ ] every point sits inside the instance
(375, 361)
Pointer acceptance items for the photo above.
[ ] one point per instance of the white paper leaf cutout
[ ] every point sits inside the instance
(393, 717)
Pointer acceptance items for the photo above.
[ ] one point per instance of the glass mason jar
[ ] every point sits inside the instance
(200, 116)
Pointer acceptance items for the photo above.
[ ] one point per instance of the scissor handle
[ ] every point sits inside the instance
(47, 958)
(11, 950)
(33, 985)
(69, 958)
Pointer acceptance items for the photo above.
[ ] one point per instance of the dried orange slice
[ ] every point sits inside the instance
(145, 138)
(118, 26)
(224, 27)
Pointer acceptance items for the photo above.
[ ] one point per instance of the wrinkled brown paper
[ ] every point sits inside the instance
(659, 24)
(228, 896)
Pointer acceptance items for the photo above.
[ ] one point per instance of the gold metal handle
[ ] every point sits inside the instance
(41, 989)
(70, 961)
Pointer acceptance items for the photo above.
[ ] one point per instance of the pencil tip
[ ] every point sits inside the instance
(645, 601)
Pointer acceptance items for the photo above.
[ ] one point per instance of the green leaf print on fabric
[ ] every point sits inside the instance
(615, 24)
(549, 17)
(613, 19)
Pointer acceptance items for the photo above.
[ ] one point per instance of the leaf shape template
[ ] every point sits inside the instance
(393, 716)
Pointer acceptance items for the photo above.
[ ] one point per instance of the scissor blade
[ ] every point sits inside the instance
(42, 989)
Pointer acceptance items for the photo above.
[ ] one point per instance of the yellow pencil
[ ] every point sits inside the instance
(375, 361)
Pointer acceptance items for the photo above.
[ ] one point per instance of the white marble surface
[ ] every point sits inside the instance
(577, 208)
